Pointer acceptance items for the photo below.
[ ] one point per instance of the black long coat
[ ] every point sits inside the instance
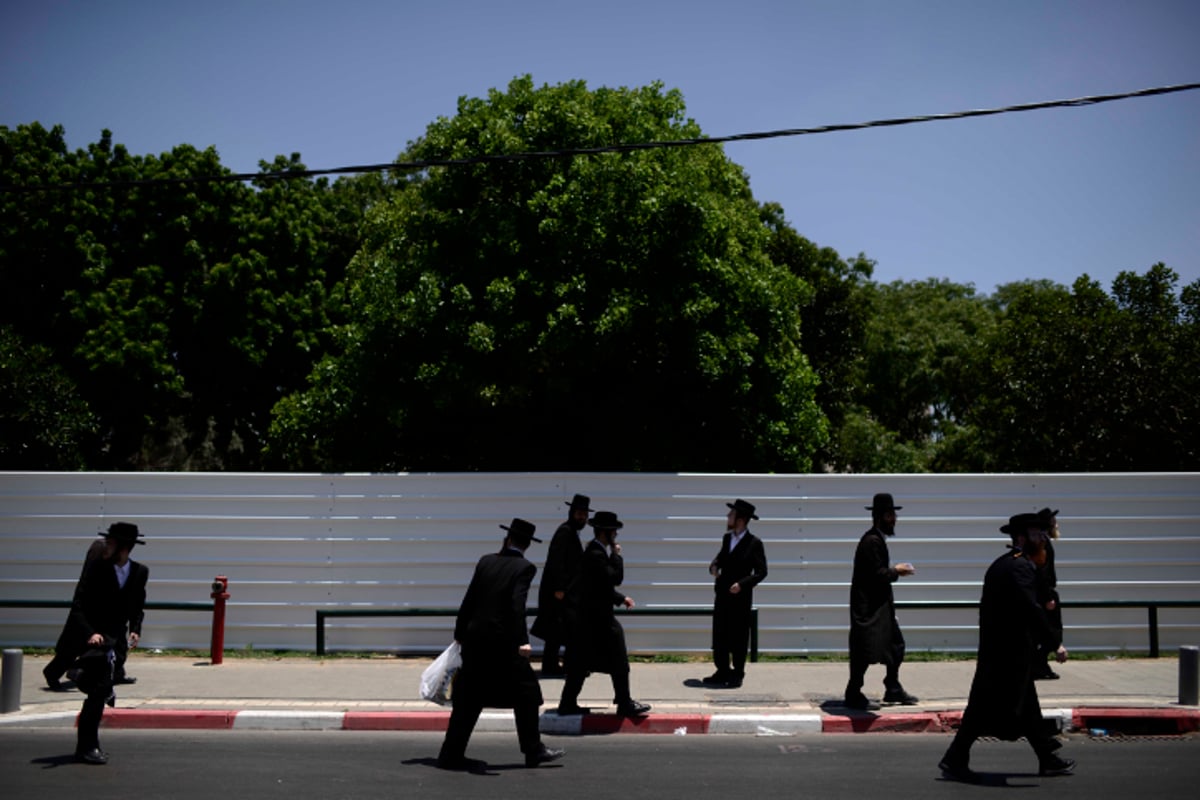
(595, 636)
(562, 565)
(872, 605)
(102, 605)
(746, 565)
(1003, 701)
(491, 628)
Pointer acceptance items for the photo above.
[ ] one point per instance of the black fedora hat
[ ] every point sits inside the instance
(743, 509)
(883, 502)
(124, 533)
(520, 532)
(606, 521)
(1020, 523)
(580, 501)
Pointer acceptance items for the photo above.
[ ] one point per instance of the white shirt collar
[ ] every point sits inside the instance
(122, 573)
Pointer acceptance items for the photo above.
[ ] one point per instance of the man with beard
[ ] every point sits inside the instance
(562, 565)
(597, 640)
(495, 671)
(875, 636)
(1012, 624)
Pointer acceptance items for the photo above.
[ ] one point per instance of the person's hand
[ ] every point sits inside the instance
(559, 595)
(526, 650)
(1060, 655)
(628, 602)
(1051, 605)
(735, 588)
(134, 638)
(712, 569)
(905, 569)
(96, 638)
(616, 549)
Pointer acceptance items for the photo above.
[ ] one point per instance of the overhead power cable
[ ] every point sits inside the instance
(408, 166)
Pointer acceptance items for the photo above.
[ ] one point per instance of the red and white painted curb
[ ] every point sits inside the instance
(1163, 721)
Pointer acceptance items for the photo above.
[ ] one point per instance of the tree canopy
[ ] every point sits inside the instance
(619, 311)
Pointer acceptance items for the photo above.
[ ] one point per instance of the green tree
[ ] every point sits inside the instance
(911, 385)
(608, 312)
(1078, 380)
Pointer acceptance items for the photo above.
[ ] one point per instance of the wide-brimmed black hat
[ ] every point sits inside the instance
(124, 533)
(520, 532)
(606, 521)
(743, 509)
(1047, 514)
(883, 502)
(580, 501)
(1020, 523)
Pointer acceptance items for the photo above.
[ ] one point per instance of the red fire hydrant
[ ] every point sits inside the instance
(220, 593)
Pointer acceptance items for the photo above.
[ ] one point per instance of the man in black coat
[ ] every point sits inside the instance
(875, 636)
(110, 595)
(495, 671)
(1003, 702)
(562, 565)
(740, 565)
(596, 640)
(1047, 593)
(65, 652)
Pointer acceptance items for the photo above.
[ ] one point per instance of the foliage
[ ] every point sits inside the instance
(609, 312)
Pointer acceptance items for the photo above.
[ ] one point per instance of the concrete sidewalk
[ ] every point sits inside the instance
(1131, 696)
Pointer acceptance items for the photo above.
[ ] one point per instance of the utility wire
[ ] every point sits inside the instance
(406, 166)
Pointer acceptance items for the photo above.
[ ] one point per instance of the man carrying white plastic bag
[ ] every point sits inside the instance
(495, 671)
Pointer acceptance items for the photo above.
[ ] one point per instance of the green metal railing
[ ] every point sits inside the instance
(323, 614)
(1152, 607)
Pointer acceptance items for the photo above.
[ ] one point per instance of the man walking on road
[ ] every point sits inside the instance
(562, 565)
(740, 565)
(875, 636)
(1012, 624)
(496, 672)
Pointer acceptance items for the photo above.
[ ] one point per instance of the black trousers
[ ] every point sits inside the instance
(731, 638)
(463, 718)
(574, 685)
(98, 683)
(893, 658)
(959, 752)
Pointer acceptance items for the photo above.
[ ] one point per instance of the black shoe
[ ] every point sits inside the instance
(632, 708)
(900, 696)
(735, 681)
(93, 756)
(1054, 765)
(958, 772)
(860, 703)
(53, 683)
(544, 755)
(570, 710)
(718, 678)
(1046, 675)
(125, 679)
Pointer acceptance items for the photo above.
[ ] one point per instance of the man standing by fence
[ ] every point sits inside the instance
(562, 565)
(740, 565)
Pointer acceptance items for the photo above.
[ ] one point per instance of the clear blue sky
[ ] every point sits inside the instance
(1048, 194)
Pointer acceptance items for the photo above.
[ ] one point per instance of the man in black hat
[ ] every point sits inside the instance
(875, 636)
(596, 640)
(740, 565)
(495, 671)
(1047, 593)
(562, 565)
(66, 651)
(110, 596)
(1003, 702)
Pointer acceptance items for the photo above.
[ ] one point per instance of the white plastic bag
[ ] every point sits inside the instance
(438, 677)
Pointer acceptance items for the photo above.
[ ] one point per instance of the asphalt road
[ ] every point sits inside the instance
(343, 764)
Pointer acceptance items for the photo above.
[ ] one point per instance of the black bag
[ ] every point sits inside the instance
(94, 667)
